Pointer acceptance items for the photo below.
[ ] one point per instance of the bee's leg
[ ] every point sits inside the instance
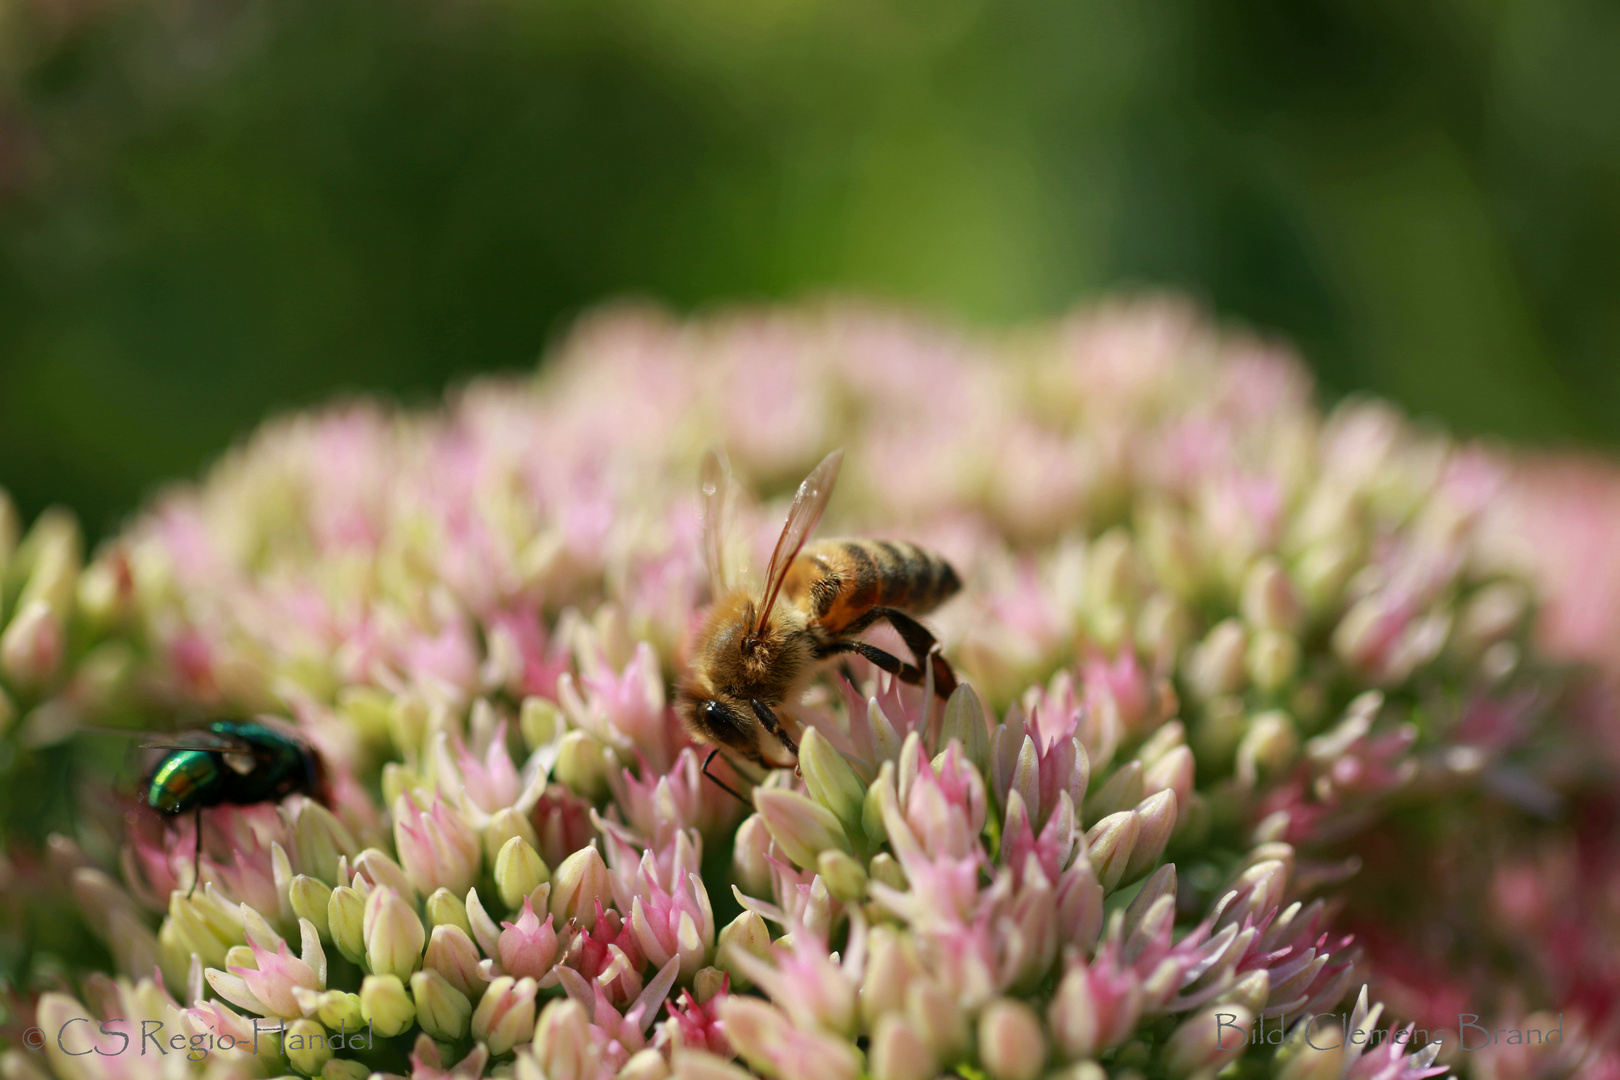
(774, 726)
(887, 661)
(923, 645)
(196, 853)
(719, 783)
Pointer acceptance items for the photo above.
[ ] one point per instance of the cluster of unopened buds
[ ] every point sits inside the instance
(1208, 638)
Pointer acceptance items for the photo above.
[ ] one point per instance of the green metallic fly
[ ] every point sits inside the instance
(231, 761)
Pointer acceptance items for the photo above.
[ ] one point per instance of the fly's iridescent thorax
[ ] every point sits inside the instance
(253, 763)
(281, 764)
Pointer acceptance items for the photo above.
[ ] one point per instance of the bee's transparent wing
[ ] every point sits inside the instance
(808, 504)
(716, 488)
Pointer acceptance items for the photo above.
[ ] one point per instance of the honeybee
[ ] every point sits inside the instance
(756, 651)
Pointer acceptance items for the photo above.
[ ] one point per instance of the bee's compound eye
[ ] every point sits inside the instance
(715, 714)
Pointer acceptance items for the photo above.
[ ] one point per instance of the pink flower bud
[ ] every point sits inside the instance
(1160, 886)
(1215, 666)
(274, 977)
(750, 849)
(746, 933)
(335, 1009)
(899, 1053)
(528, 946)
(1206, 1042)
(1269, 602)
(698, 1024)
(304, 1043)
(1156, 818)
(1269, 745)
(393, 934)
(1094, 1009)
(936, 1015)
(766, 1038)
(809, 985)
(964, 721)
(443, 908)
(844, 875)
(1273, 660)
(1109, 845)
(1299, 1060)
(319, 839)
(519, 871)
(565, 1043)
(1073, 1016)
(579, 883)
(646, 1064)
(376, 868)
(31, 645)
(702, 1065)
(437, 848)
(1256, 892)
(310, 899)
(831, 781)
(1079, 905)
(385, 1004)
(584, 764)
(675, 925)
(1121, 791)
(505, 1014)
(452, 954)
(802, 827)
(345, 919)
(443, 1011)
(1012, 1045)
(1171, 772)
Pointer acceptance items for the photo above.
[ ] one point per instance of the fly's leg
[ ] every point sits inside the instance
(196, 852)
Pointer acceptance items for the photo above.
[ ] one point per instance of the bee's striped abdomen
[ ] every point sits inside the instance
(838, 581)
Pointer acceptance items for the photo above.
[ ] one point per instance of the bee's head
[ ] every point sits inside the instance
(719, 719)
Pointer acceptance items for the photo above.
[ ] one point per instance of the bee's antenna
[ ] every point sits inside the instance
(721, 784)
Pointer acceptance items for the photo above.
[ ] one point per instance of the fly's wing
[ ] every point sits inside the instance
(716, 488)
(808, 504)
(237, 753)
(191, 739)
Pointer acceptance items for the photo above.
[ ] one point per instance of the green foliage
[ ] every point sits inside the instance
(209, 210)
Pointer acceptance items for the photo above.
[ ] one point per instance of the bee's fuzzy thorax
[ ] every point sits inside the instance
(735, 662)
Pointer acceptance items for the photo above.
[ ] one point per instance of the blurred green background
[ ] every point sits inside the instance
(215, 209)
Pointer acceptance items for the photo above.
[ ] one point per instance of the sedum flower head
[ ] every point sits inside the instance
(1217, 650)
